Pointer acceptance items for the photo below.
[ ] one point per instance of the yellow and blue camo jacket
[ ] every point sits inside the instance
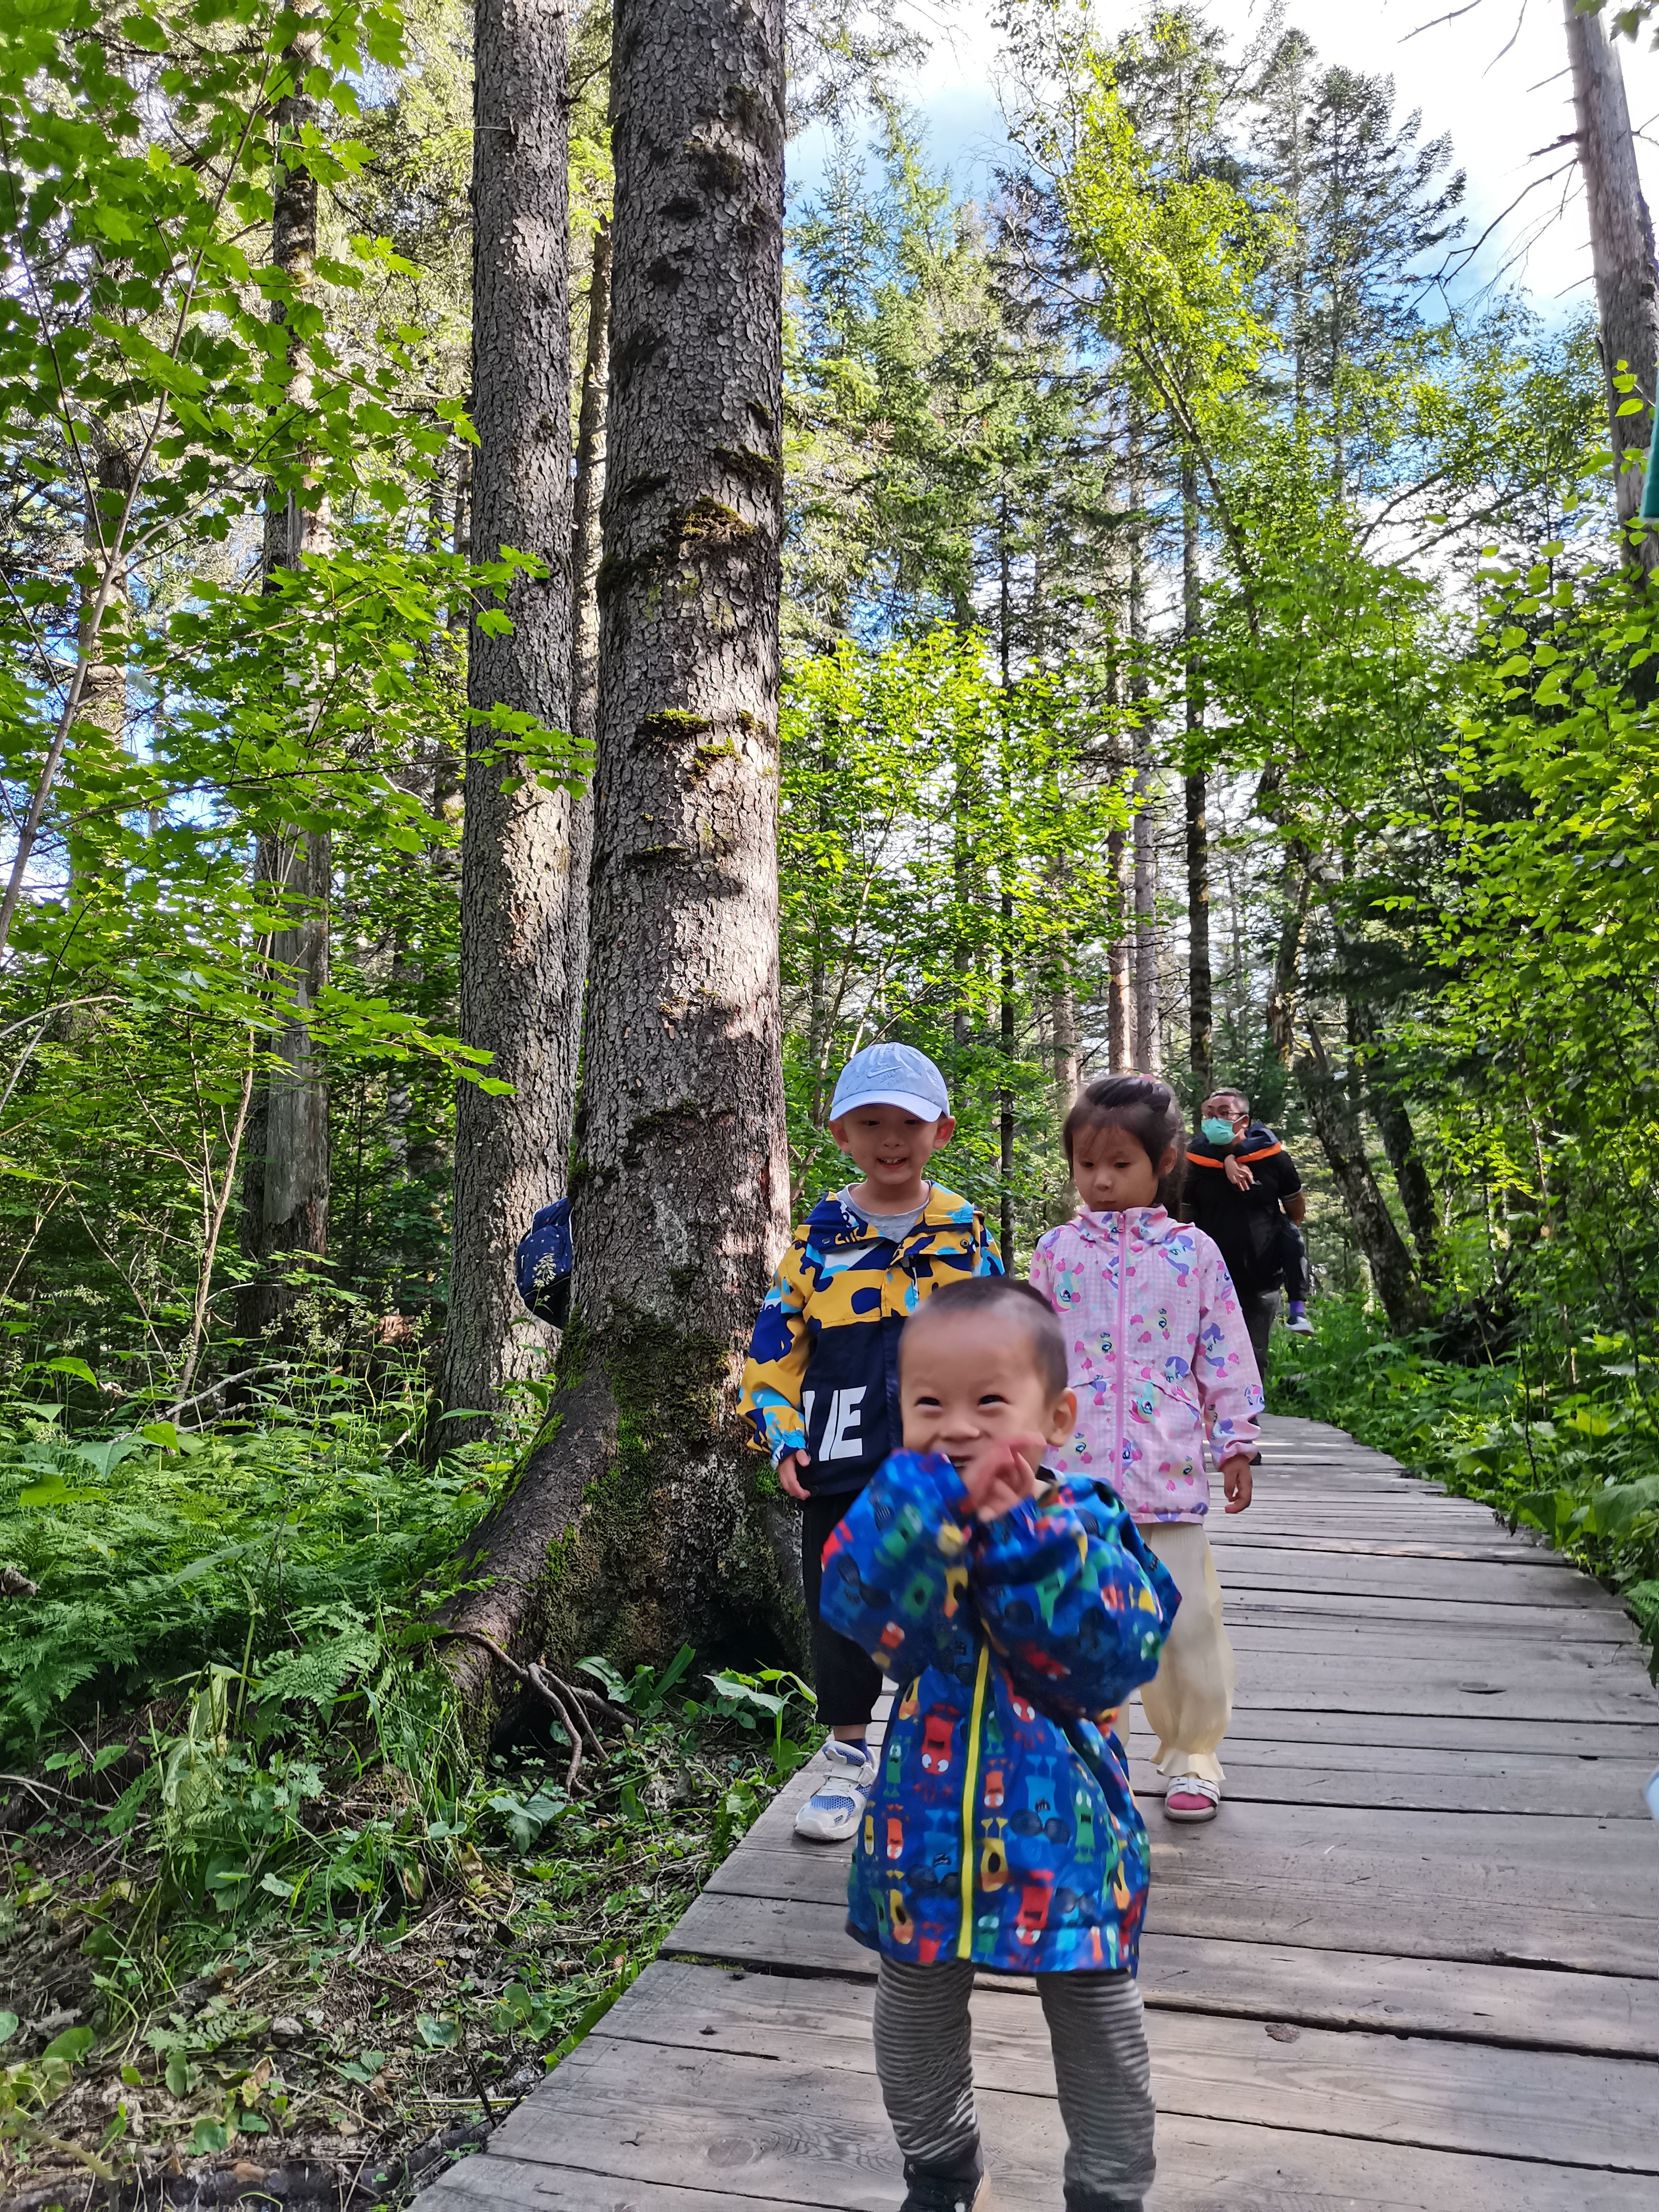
(822, 1370)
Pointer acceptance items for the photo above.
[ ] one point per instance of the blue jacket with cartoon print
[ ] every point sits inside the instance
(1001, 1829)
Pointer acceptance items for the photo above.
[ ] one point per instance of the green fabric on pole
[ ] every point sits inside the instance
(1650, 487)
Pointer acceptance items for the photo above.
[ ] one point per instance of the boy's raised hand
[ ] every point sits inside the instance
(1003, 1474)
(790, 1479)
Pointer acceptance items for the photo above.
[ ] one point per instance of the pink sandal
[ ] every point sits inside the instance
(1190, 1797)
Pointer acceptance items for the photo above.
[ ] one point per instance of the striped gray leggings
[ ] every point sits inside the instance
(924, 2059)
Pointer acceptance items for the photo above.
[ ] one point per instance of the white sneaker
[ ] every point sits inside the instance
(1301, 1326)
(831, 1815)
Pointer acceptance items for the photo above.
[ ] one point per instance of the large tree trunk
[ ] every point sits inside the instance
(1621, 253)
(1338, 1129)
(682, 1193)
(285, 1189)
(1199, 992)
(524, 851)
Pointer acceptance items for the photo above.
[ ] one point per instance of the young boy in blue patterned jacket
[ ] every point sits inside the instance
(1017, 1612)
(821, 1388)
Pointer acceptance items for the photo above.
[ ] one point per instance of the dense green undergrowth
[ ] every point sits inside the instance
(306, 1528)
(263, 1905)
(1569, 1447)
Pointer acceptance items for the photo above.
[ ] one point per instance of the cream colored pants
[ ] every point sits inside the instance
(1190, 1701)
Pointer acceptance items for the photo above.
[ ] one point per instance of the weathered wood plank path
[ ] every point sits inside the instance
(1434, 1866)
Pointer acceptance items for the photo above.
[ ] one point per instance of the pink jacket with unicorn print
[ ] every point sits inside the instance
(1158, 1354)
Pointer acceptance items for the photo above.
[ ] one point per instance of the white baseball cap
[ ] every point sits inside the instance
(891, 1075)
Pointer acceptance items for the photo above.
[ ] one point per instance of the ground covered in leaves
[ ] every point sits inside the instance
(324, 2001)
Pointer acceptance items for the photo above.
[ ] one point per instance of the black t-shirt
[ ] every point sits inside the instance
(1247, 1224)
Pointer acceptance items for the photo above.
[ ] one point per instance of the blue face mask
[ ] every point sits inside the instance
(1218, 1132)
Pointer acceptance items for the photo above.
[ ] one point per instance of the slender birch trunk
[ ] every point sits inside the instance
(1199, 986)
(285, 1194)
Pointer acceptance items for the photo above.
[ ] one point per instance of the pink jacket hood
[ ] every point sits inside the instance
(1158, 1352)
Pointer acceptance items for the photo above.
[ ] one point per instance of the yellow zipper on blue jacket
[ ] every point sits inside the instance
(969, 1786)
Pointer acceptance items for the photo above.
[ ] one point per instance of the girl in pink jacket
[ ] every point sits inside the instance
(1161, 1365)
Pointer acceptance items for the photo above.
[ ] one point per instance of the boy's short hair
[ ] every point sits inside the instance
(1032, 1313)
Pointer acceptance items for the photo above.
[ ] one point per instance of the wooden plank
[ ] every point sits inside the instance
(1279, 1873)
(1436, 2095)
(770, 2129)
(1475, 1730)
(1251, 1605)
(1551, 1684)
(1418, 1546)
(1380, 1578)
(489, 2178)
(1605, 1659)
(1533, 2007)
(786, 1933)
(1622, 1861)
(1414, 1780)
(1607, 2015)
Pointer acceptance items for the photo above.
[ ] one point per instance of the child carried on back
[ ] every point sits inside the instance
(1016, 1613)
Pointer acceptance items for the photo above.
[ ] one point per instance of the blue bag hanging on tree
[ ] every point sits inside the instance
(542, 1263)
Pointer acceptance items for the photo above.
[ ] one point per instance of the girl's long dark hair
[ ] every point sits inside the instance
(1144, 1107)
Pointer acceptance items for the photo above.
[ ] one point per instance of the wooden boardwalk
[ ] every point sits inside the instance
(1414, 1964)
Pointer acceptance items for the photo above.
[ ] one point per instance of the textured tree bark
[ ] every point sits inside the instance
(1287, 960)
(586, 535)
(285, 1190)
(1146, 1008)
(1393, 1124)
(682, 1185)
(1621, 253)
(1120, 991)
(1340, 1138)
(1200, 991)
(1143, 1038)
(100, 732)
(1063, 1036)
(524, 851)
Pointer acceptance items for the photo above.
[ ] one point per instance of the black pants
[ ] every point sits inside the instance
(1293, 1252)
(1260, 1308)
(847, 1680)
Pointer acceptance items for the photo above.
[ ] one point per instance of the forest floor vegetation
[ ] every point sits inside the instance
(1566, 1445)
(267, 1928)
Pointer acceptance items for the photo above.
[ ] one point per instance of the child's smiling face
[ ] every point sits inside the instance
(1112, 1169)
(891, 1148)
(969, 1382)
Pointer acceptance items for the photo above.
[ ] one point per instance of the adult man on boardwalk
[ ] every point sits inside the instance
(1244, 1190)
